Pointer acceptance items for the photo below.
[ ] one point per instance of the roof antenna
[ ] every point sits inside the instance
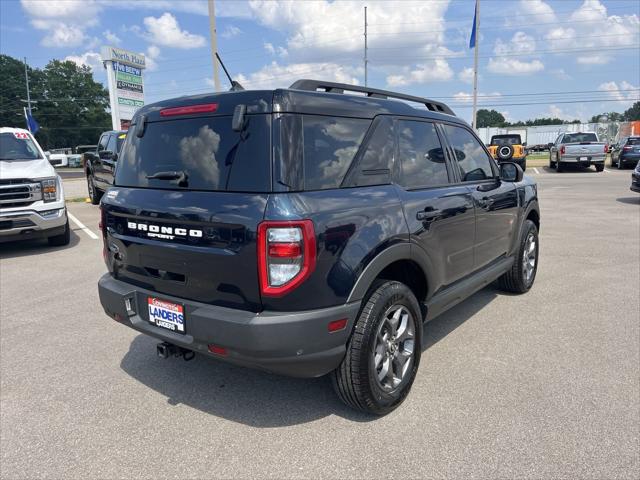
(235, 86)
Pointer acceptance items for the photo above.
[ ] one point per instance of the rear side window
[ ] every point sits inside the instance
(330, 144)
(374, 165)
(473, 161)
(212, 155)
(420, 153)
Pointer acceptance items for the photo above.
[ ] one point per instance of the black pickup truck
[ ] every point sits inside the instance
(100, 164)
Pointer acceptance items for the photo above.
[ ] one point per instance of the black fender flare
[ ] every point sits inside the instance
(394, 253)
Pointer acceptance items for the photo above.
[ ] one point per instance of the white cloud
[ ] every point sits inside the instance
(531, 11)
(231, 31)
(437, 70)
(625, 92)
(275, 75)
(514, 67)
(519, 43)
(466, 97)
(63, 21)
(592, 28)
(466, 75)
(321, 30)
(270, 48)
(151, 57)
(90, 59)
(165, 31)
(59, 34)
(111, 37)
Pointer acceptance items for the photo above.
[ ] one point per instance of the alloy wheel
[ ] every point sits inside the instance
(529, 258)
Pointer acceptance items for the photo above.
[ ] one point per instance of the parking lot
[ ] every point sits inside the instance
(538, 386)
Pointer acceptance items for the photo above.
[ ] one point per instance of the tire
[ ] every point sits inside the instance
(558, 166)
(552, 164)
(523, 165)
(613, 164)
(523, 272)
(356, 380)
(62, 239)
(599, 168)
(94, 193)
(504, 152)
(620, 164)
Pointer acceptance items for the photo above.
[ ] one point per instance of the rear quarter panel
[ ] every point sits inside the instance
(352, 226)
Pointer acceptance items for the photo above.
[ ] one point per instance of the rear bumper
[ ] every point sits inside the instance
(289, 343)
(583, 159)
(635, 182)
(633, 158)
(29, 224)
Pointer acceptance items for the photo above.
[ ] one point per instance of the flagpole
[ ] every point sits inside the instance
(26, 118)
(475, 64)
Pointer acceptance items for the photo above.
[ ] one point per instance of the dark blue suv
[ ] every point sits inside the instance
(309, 231)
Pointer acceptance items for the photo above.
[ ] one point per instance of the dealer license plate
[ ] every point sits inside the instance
(166, 315)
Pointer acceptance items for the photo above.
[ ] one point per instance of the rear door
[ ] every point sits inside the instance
(496, 202)
(192, 237)
(439, 214)
(108, 162)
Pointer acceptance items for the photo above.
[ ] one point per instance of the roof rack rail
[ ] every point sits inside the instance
(332, 87)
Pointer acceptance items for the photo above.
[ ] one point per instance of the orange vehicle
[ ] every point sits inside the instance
(509, 148)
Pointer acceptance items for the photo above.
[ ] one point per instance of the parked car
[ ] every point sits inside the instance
(625, 152)
(635, 179)
(509, 148)
(57, 159)
(306, 232)
(100, 165)
(31, 195)
(582, 148)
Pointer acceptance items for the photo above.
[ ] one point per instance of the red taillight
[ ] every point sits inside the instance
(286, 255)
(606, 149)
(337, 325)
(218, 350)
(626, 148)
(562, 150)
(202, 108)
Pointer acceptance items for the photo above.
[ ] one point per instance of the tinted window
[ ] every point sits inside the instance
(111, 145)
(207, 150)
(17, 146)
(579, 137)
(420, 153)
(633, 141)
(102, 144)
(473, 161)
(329, 145)
(374, 166)
(506, 140)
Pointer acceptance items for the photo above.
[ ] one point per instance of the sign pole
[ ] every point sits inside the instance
(475, 64)
(111, 83)
(214, 45)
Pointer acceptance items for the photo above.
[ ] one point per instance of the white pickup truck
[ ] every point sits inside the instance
(580, 148)
(31, 195)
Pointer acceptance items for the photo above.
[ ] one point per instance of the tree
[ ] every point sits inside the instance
(633, 113)
(69, 105)
(489, 118)
(611, 117)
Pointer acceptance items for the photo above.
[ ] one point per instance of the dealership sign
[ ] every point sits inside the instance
(126, 87)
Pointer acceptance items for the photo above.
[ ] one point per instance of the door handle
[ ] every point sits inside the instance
(428, 215)
(487, 202)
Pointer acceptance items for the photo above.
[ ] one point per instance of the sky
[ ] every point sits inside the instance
(566, 59)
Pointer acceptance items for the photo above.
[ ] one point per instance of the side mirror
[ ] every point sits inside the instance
(524, 144)
(106, 154)
(510, 172)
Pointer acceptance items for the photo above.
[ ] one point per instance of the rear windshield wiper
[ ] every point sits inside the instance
(181, 176)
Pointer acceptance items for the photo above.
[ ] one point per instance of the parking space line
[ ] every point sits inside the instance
(82, 226)
(536, 170)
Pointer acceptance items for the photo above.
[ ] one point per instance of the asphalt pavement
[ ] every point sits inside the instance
(543, 385)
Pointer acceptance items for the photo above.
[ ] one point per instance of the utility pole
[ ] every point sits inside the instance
(366, 60)
(214, 44)
(26, 77)
(475, 64)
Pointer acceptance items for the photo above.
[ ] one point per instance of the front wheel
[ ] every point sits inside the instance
(383, 353)
(523, 272)
(94, 193)
(62, 239)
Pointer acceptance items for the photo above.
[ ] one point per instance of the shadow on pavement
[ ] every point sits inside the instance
(22, 248)
(261, 399)
(568, 168)
(630, 200)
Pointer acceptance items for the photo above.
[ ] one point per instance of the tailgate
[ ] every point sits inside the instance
(585, 148)
(194, 245)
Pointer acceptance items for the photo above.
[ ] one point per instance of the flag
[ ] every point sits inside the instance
(32, 125)
(472, 40)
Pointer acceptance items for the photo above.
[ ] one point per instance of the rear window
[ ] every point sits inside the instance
(633, 141)
(579, 137)
(506, 140)
(207, 150)
(17, 146)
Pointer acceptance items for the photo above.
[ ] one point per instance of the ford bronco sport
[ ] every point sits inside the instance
(306, 231)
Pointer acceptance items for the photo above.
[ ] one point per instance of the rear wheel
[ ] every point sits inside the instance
(62, 239)
(558, 166)
(620, 164)
(383, 353)
(552, 164)
(523, 272)
(599, 168)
